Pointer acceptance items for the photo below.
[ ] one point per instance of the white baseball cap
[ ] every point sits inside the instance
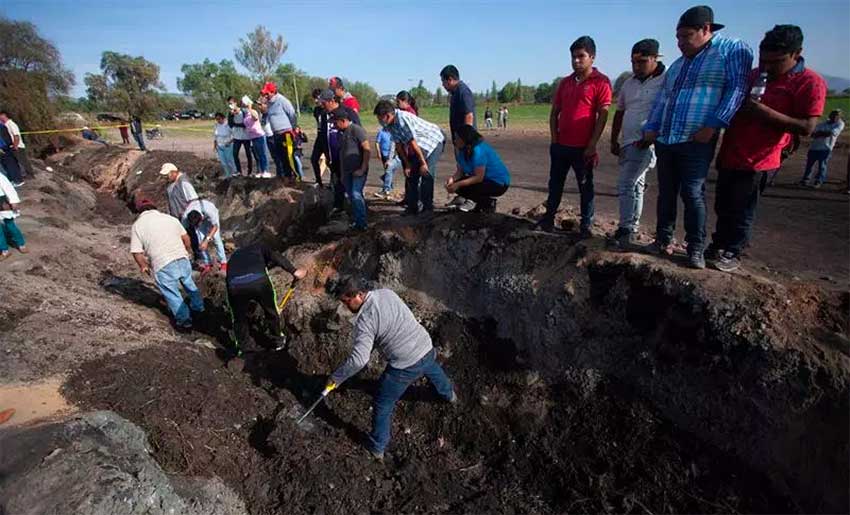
(167, 168)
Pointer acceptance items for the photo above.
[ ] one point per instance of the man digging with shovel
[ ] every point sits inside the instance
(383, 319)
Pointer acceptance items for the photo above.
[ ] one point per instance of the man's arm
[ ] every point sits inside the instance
(616, 126)
(402, 154)
(16, 141)
(187, 242)
(364, 339)
(274, 258)
(142, 263)
(738, 64)
(189, 190)
(553, 123)
(598, 127)
(423, 167)
(653, 122)
(802, 126)
(290, 112)
(364, 162)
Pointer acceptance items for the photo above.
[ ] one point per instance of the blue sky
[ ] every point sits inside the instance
(394, 44)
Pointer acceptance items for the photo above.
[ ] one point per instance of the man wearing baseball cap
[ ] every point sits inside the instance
(633, 104)
(333, 141)
(347, 99)
(283, 119)
(179, 191)
(701, 92)
(160, 246)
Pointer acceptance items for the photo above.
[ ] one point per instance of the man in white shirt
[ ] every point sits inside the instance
(9, 202)
(19, 149)
(201, 216)
(823, 141)
(634, 102)
(160, 246)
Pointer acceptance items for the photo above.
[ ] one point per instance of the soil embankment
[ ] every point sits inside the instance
(589, 381)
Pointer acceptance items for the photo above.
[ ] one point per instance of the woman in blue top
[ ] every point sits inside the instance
(481, 175)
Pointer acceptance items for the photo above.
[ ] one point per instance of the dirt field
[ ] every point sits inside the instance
(799, 232)
(590, 381)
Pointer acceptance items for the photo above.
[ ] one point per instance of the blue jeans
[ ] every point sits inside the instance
(821, 157)
(561, 159)
(10, 228)
(225, 156)
(682, 169)
(204, 256)
(419, 188)
(140, 140)
(392, 166)
(168, 279)
(299, 168)
(258, 146)
(394, 383)
(634, 163)
(354, 188)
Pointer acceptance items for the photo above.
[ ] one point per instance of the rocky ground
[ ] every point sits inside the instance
(589, 380)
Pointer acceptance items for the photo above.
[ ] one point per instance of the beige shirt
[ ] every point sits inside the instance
(159, 236)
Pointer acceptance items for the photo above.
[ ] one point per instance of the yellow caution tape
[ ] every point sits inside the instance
(78, 129)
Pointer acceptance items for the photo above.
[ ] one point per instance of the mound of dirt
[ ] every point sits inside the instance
(98, 463)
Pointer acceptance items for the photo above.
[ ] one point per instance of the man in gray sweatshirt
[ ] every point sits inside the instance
(383, 319)
(283, 119)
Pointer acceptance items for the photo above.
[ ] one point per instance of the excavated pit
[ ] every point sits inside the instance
(589, 381)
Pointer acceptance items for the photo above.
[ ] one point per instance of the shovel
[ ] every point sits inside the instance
(328, 389)
(287, 296)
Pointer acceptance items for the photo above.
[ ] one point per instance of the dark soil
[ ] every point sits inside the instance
(516, 444)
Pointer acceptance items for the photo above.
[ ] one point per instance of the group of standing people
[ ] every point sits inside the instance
(14, 164)
(672, 117)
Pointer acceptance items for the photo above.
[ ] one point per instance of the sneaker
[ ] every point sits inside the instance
(816, 185)
(266, 175)
(544, 226)
(456, 202)
(727, 262)
(662, 249)
(696, 260)
(585, 233)
(466, 206)
(5, 255)
(454, 399)
(380, 194)
(623, 238)
(279, 342)
(23, 249)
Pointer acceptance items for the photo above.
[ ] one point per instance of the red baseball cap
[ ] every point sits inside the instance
(269, 88)
(142, 202)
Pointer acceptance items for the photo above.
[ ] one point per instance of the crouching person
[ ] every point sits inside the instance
(248, 281)
(481, 175)
(384, 319)
(161, 248)
(201, 216)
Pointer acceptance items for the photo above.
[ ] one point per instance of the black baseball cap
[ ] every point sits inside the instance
(697, 17)
(326, 95)
(340, 114)
(646, 47)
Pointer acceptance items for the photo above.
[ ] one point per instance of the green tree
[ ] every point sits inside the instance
(438, 96)
(543, 93)
(494, 92)
(31, 73)
(519, 91)
(421, 94)
(508, 93)
(128, 84)
(365, 93)
(260, 52)
(211, 83)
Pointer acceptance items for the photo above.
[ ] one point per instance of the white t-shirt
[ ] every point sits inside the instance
(827, 142)
(636, 100)
(223, 134)
(14, 130)
(205, 207)
(160, 237)
(8, 190)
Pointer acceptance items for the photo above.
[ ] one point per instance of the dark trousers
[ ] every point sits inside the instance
(283, 150)
(483, 192)
(10, 166)
(561, 159)
(240, 296)
(314, 161)
(23, 161)
(337, 185)
(140, 140)
(736, 198)
(240, 143)
(682, 169)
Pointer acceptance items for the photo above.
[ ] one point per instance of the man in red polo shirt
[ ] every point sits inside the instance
(345, 98)
(578, 116)
(792, 102)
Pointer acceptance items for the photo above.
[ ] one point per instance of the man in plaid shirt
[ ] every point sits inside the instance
(701, 92)
(426, 140)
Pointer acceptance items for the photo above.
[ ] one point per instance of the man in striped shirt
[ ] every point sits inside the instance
(426, 141)
(701, 92)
